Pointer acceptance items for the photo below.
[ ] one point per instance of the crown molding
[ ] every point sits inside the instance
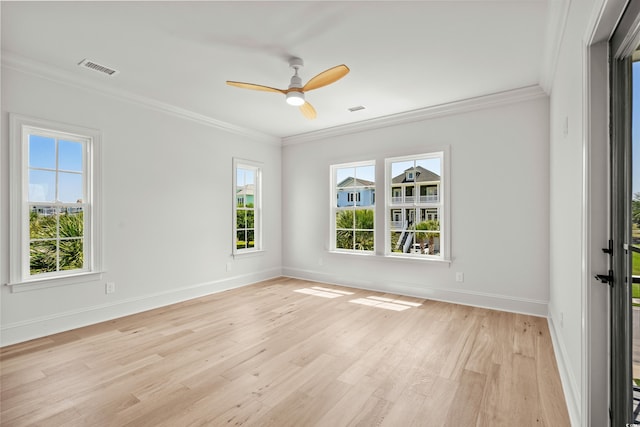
(44, 71)
(557, 15)
(28, 66)
(442, 110)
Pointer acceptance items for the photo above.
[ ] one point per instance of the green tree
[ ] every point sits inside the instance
(425, 232)
(354, 229)
(635, 209)
(245, 225)
(71, 243)
(47, 253)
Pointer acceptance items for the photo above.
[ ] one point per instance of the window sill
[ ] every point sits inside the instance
(356, 253)
(399, 257)
(49, 282)
(418, 259)
(248, 253)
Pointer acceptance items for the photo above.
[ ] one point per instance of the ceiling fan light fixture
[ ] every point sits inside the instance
(295, 98)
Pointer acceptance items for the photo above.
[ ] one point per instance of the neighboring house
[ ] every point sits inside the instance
(245, 194)
(415, 197)
(354, 191)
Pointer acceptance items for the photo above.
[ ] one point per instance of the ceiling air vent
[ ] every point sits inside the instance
(357, 108)
(86, 63)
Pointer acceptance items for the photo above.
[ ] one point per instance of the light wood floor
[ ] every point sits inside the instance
(267, 355)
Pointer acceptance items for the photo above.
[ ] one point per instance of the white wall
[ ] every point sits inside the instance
(167, 209)
(578, 215)
(499, 207)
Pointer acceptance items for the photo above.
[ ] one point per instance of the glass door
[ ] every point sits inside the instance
(625, 293)
(635, 231)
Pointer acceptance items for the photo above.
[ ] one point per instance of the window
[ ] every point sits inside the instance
(415, 206)
(54, 196)
(246, 209)
(352, 216)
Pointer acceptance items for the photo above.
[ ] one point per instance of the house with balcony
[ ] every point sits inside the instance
(415, 198)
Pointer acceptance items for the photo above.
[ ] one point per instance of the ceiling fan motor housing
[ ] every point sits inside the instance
(295, 98)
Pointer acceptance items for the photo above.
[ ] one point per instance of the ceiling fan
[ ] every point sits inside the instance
(295, 92)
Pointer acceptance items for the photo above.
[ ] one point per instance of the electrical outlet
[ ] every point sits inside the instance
(459, 277)
(109, 288)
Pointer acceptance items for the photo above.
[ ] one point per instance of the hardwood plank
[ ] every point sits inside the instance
(266, 355)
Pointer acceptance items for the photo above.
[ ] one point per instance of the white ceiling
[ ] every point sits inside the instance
(403, 56)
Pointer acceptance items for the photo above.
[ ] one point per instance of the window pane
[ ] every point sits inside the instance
(432, 165)
(364, 240)
(70, 156)
(241, 239)
(250, 239)
(72, 223)
(344, 239)
(344, 177)
(364, 219)
(71, 254)
(42, 186)
(240, 182)
(399, 169)
(42, 257)
(42, 152)
(366, 173)
(42, 222)
(395, 241)
(250, 218)
(241, 218)
(70, 187)
(344, 219)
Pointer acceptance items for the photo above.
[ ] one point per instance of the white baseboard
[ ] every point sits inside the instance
(569, 385)
(465, 297)
(47, 325)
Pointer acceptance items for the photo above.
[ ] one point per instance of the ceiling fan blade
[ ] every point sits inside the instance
(326, 77)
(308, 111)
(255, 87)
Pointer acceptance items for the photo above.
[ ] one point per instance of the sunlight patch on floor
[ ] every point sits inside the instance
(386, 303)
(323, 292)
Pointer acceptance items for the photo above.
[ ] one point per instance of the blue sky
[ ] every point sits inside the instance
(244, 176)
(360, 172)
(368, 172)
(42, 169)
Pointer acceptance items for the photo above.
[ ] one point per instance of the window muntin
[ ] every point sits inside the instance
(246, 211)
(55, 234)
(353, 213)
(415, 206)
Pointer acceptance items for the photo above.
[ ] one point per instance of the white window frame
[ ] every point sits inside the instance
(256, 167)
(443, 205)
(19, 268)
(334, 209)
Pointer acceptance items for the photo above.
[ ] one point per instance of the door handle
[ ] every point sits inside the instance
(605, 278)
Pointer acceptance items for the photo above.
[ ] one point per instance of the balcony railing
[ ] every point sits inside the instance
(399, 200)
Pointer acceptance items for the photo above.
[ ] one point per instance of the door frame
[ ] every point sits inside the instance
(592, 401)
(623, 43)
